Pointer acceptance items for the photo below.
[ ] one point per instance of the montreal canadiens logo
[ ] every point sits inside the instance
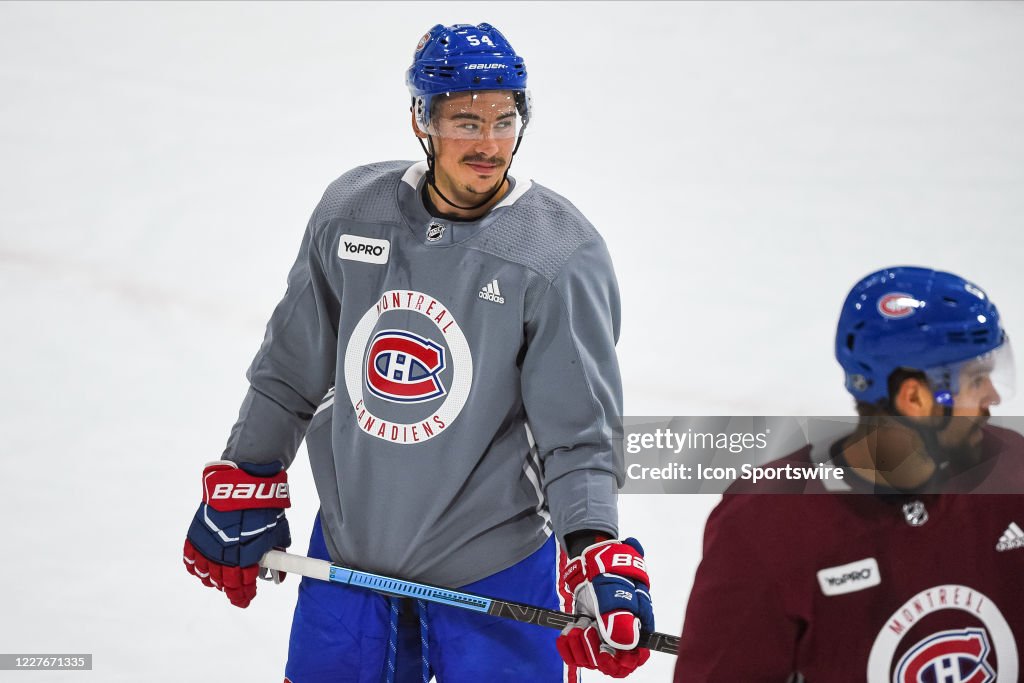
(954, 656)
(404, 367)
(948, 656)
(897, 305)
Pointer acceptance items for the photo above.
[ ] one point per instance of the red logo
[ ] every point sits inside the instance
(897, 305)
(404, 367)
(948, 656)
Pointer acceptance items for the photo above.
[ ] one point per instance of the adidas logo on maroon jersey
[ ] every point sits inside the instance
(1011, 539)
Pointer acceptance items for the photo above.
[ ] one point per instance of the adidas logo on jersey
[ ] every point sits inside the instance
(1011, 539)
(491, 292)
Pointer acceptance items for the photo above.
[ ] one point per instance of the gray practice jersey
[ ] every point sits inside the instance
(455, 382)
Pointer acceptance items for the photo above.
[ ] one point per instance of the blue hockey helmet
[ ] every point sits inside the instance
(925, 320)
(462, 58)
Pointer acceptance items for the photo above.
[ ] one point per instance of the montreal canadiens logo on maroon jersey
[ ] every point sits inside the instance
(953, 656)
(984, 653)
(404, 367)
(897, 305)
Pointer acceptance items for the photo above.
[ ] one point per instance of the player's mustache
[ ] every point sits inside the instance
(483, 159)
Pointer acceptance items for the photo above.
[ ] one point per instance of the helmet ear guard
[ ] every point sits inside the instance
(421, 112)
(524, 105)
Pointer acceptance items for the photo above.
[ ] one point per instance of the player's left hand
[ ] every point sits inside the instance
(611, 592)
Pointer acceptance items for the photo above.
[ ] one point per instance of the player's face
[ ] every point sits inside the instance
(977, 392)
(963, 436)
(473, 136)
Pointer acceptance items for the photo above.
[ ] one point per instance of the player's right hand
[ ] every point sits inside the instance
(240, 519)
(580, 644)
(611, 591)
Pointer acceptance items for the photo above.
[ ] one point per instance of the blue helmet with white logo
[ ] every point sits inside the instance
(918, 319)
(461, 58)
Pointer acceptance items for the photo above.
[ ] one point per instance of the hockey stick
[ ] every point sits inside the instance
(325, 571)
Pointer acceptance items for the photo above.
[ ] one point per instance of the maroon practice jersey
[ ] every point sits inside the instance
(841, 587)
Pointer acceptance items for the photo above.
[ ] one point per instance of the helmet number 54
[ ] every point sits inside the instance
(476, 40)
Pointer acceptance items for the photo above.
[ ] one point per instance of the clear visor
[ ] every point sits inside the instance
(478, 115)
(976, 383)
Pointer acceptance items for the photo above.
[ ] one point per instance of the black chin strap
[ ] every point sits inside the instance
(431, 180)
(929, 434)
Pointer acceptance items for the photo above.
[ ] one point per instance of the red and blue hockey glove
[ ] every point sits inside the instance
(611, 593)
(240, 519)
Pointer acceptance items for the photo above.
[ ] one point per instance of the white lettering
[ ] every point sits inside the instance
(244, 491)
(262, 491)
(221, 491)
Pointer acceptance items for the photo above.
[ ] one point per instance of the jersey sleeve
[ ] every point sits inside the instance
(737, 626)
(572, 391)
(294, 366)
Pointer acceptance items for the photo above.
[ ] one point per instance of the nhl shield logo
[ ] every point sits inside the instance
(404, 367)
(953, 656)
(435, 231)
(915, 513)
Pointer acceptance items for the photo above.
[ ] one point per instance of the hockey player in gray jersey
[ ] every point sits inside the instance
(446, 347)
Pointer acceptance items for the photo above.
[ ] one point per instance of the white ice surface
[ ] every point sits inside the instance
(745, 162)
